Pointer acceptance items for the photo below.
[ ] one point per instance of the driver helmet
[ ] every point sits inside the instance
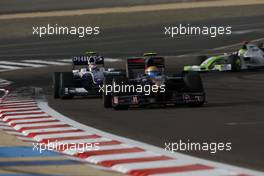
(92, 64)
(152, 71)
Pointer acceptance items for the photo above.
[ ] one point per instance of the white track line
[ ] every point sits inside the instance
(209, 172)
(24, 116)
(9, 113)
(59, 135)
(9, 67)
(18, 105)
(18, 101)
(21, 64)
(31, 120)
(45, 62)
(81, 141)
(65, 60)
(18, 127)
(22, 103)
(85, 149)
(125, 168)
(18, 109)
(26, 132)
(97, 159)
(9, 104)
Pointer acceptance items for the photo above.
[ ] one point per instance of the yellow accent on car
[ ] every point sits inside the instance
(150, 54)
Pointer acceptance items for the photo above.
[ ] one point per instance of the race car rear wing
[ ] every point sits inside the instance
(141, 63)
(135, 63)
(85, 60)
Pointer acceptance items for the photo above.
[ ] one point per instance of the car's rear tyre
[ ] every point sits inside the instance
(120, 81)
(261, 46)
(56, 85)
(235, 62)
(197, 104)
(201, 59)
(107, 99)
(66, 81)
(193, 82)
(87, 81)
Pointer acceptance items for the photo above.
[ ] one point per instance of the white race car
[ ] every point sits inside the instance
(85, 79)
(249, 56)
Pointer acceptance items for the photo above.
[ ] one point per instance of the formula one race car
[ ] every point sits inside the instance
(146, 84)
(250, 56)
(85, 79)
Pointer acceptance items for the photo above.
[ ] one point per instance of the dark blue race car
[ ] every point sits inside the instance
(146, 84)
(85, 79)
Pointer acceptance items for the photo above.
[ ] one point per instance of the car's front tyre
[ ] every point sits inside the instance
(235, 62)
(56, 85)
(107, 98)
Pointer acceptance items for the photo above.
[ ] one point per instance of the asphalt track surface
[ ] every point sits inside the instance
(234, 112)
(11, 6)
(134, 40)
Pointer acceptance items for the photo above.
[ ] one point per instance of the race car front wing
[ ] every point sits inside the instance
(143, 100)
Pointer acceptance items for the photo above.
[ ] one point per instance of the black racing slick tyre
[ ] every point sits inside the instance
(107, 98)
(261, 46)
(56, 85)
(197, 104)
(193, 82)
(235, 62)
(201, 59)
(120, 80)
(66, 81)
(87, 81)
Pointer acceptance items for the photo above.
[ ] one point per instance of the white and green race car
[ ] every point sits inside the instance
(249, 56)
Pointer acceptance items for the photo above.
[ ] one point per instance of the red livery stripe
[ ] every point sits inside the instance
(53, 132)
(43, 127)
(110, 163)
(175, 169)
(109, 152)
(18, 114)
(69, 138)
(61, 147)
(27, 118)
(44, 121)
